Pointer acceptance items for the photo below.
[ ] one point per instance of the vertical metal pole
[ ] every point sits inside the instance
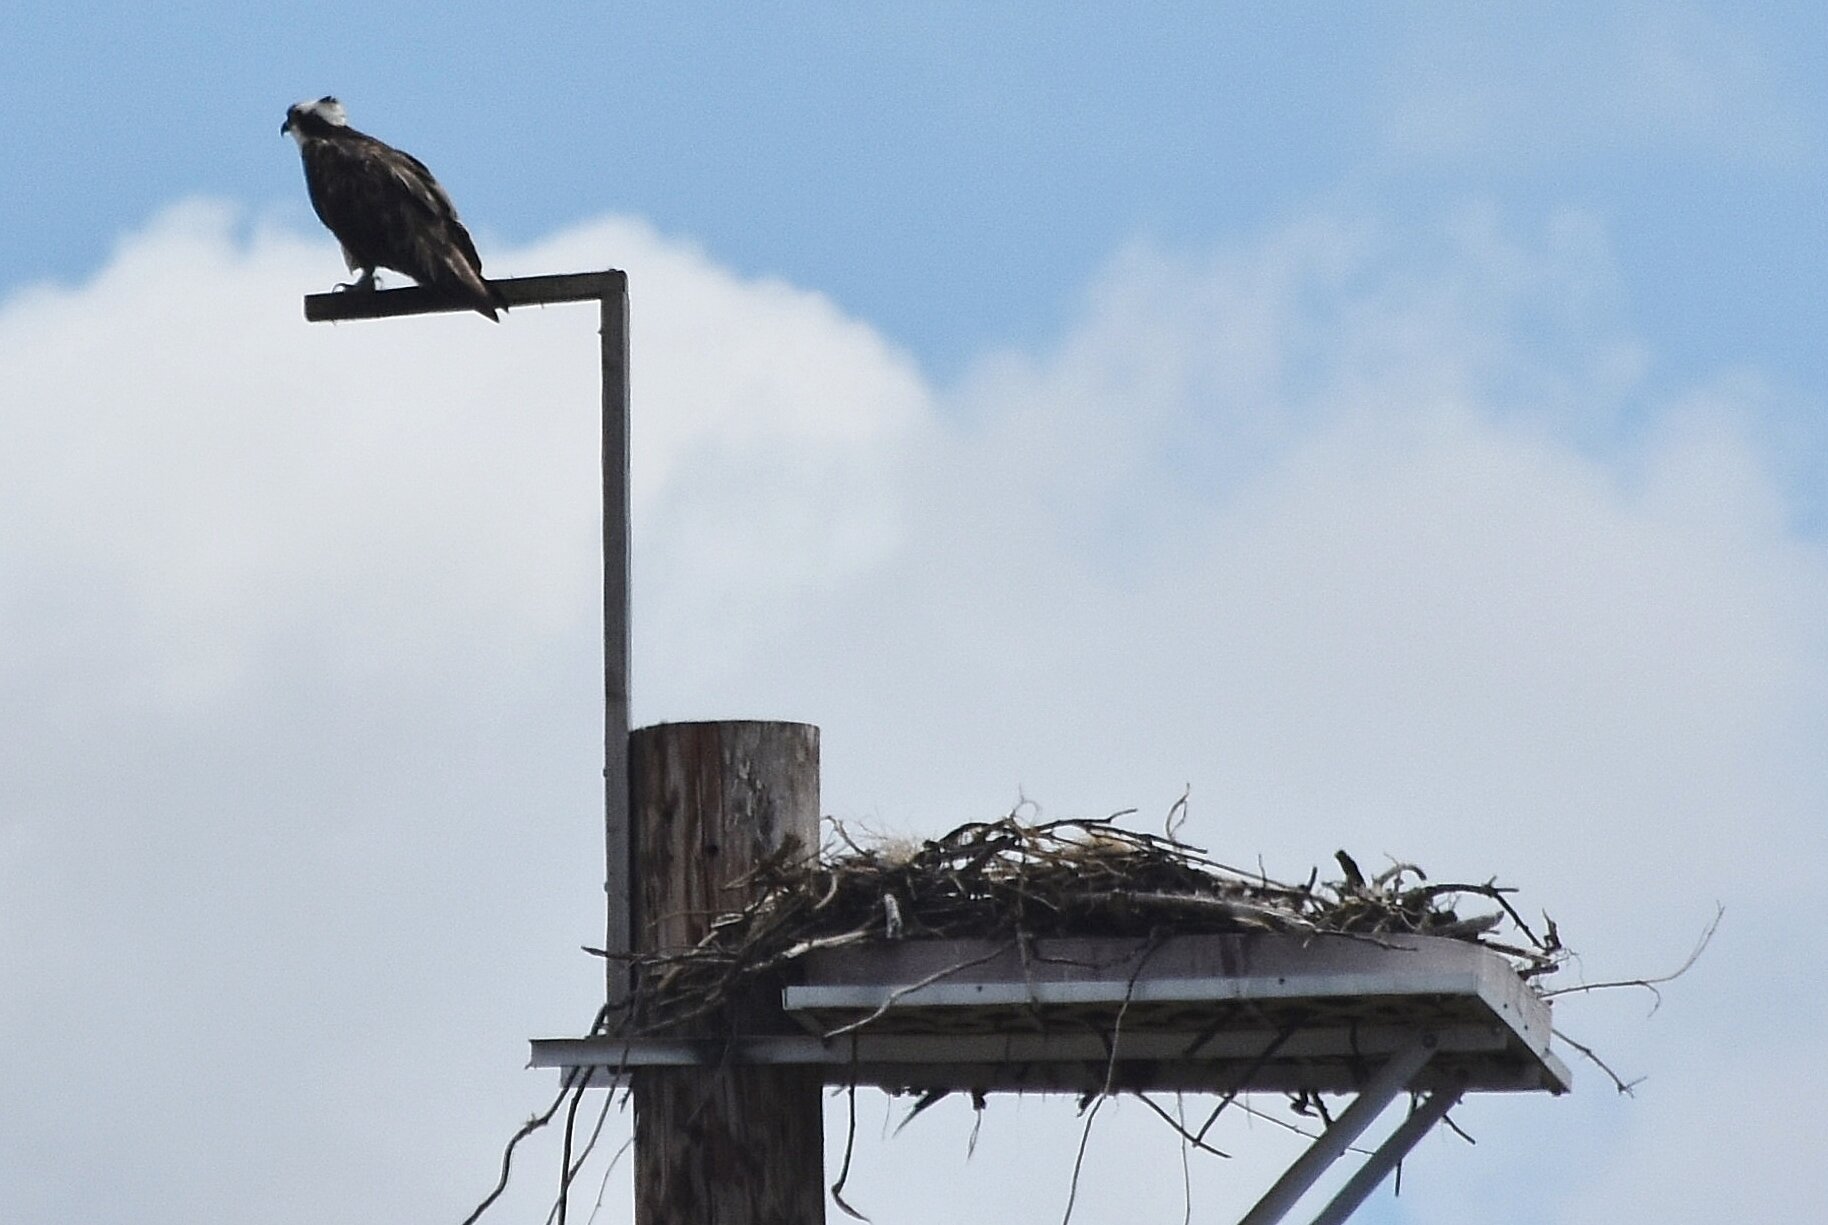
(1378, 1093)
(609, 289)
(1395, 1147)
(619, 855)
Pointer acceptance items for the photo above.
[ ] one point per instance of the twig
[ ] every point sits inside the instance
(590, 1145)
(1110, 1072)
(1243, 1082)
(507, 1156)
(1252, 913)
(1188, 1139)
(571, 1119)
(614, 1159)
(1628, 1088)
(1177, 816)
(1180, 1125)
(930, 1098)
(1285, 1125)
(850, 1141)
(900, 993)
(1650, 984)
(1085, 1136)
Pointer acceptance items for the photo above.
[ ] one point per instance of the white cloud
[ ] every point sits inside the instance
(297, 661)
(299, 653)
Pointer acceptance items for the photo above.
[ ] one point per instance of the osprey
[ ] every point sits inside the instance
(385, 207)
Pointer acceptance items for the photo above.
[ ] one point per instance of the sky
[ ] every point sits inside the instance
(1399, 428)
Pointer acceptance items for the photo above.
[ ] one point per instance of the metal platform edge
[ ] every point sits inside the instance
(1509, 1048)
(1062, 1062)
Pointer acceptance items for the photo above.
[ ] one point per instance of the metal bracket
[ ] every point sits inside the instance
(1391, 1079)
(1395, 1147)
(609, 289)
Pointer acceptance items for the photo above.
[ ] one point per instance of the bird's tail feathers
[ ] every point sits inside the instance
(484, 296)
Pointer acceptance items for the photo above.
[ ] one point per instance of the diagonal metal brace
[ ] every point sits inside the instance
(1379, 1092)
(1395, 1147)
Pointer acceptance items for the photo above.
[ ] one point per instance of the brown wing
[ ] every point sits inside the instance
(388, 211)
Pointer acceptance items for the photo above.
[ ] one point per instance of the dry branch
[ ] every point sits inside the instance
(1014, 881)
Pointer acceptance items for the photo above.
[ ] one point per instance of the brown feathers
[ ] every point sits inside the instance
(386, 209)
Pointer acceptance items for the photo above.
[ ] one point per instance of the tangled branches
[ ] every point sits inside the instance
(1017, 881)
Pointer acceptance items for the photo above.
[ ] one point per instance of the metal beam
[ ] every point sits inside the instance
(609, 288)
(1379, 1091)
(1322, 1059)
(1142, 989)
(1395, 1147)
(1387, 972)
(1355, 1043)
(618, 836)
(348, 304)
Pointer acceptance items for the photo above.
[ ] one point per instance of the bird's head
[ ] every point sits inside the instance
(315, 118)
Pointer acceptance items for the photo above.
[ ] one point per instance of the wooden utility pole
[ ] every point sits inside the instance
(735, 1143)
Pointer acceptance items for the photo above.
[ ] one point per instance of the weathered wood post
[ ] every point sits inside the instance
(731, 1144)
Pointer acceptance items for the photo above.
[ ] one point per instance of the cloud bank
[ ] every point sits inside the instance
(1373, 537)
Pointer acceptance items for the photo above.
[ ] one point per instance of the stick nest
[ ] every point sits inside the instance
(1015, 880)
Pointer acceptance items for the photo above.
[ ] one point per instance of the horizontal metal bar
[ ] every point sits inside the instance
(1142, 990)
(1329, 1059)
(348, 304)
(1361, 1042)
(1332, 1078)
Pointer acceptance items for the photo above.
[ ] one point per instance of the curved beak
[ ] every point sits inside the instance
(286, 126)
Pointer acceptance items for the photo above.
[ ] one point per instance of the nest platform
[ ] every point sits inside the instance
(1257, 1011)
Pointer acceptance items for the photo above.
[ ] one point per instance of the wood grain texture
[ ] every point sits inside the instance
(729, 1146)
(735, 1144)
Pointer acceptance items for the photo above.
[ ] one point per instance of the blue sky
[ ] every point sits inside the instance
(1403, 425)
(955, 173)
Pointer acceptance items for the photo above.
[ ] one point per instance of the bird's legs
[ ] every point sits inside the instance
(362, 284)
